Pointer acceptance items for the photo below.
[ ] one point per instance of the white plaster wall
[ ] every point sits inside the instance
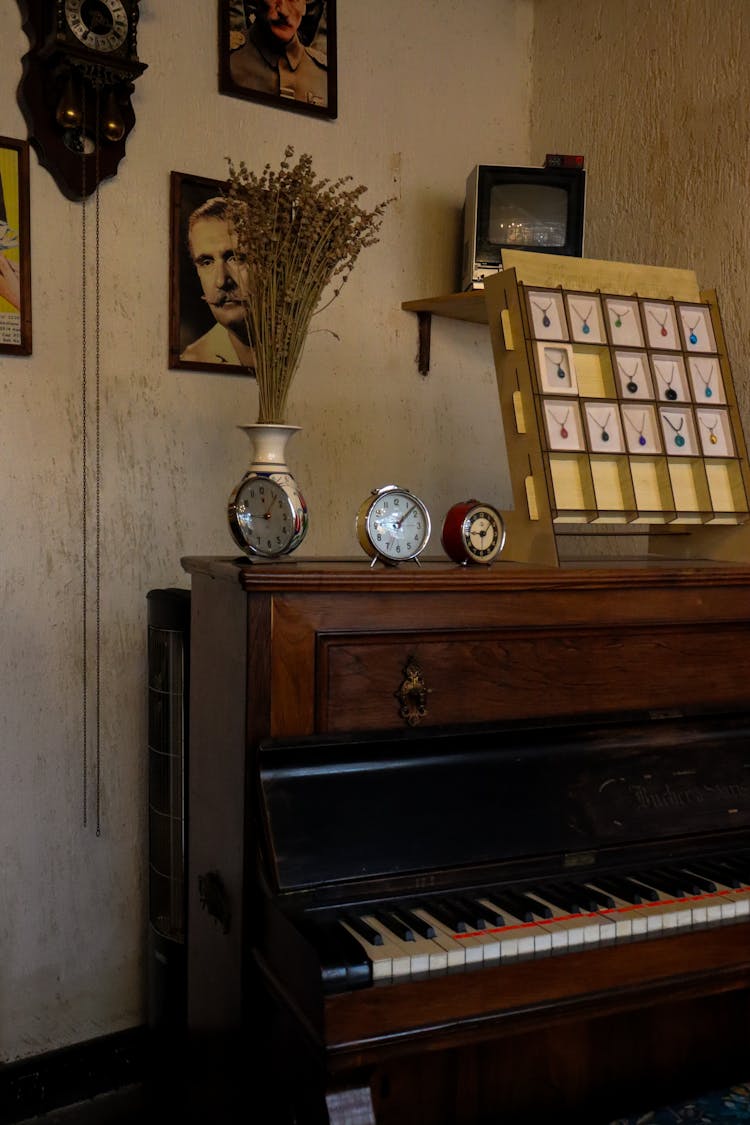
(656, 94)
(426, 90)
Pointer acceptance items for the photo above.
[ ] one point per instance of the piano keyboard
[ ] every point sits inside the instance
(436, 934)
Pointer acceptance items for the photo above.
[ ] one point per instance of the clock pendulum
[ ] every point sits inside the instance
(679, 439)
(707, 390)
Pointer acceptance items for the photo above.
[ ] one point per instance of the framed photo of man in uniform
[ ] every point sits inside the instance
(281, 52)
(15, 254)
(207, 326)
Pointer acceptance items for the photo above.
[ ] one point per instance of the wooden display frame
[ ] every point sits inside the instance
(685, 479)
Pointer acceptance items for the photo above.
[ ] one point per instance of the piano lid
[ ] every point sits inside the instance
(356, 808)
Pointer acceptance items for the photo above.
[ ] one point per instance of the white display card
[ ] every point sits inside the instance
(715, 431)
(670, 380)
(624, 319)
(661, 324)
(563, 422)
(603, 426)
(697, 330)
(705, 376)
(547, 314)
(557, 370)
(585, 317)
(678, 432)
(641, 429)
(633, 375)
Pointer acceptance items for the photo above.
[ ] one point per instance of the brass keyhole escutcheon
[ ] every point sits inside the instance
(412, 694)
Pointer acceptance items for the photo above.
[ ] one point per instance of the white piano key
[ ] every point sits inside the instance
(445, 939)
(379, 956)
(408, 959)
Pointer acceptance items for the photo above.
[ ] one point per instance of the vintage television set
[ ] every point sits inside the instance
(540, 209)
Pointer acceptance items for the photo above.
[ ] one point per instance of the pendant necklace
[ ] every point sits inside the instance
(706, 381)
(619, 314)
(638, 429)
(670, 392)
(543, 309)
(662, 323)
(561, 424)
(585, 328)
(679, 439)
(631, 386)
(557, 363)
(691, 329)
(602, 427)
(711, 430)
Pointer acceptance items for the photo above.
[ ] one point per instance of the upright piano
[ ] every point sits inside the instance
(471, 845)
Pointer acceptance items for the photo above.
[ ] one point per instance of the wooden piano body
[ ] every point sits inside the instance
(321, 650)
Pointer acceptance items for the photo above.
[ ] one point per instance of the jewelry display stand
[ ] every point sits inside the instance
(619, 409)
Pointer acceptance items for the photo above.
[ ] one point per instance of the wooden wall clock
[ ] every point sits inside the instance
(77, 82)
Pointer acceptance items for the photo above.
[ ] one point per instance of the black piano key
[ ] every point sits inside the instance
(446, 914)
(583, 895)
(646, 891)
(477, 913)
(559, 897)
(343, 962)
(602, 900)
(424, 929)
(624, 889)
(395, 923)
(663, 882)
(493, 916)
(538, 909)
(697, 884)
(713, 869)
(512, 903)
(362, 928)
(740, 867)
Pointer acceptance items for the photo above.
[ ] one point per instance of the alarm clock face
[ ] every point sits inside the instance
(393, 525)
(473, 532)
(101, 25)
(266, 518)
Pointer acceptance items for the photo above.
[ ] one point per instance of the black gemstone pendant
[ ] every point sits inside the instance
(632, 387)
(671, 394)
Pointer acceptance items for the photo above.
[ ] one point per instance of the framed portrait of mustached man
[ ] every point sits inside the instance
(207, 325)
(15, 252)
(281, 52)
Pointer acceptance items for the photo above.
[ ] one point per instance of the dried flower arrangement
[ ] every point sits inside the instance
(297, 234)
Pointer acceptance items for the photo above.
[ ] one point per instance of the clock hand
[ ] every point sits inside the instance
(406, 513)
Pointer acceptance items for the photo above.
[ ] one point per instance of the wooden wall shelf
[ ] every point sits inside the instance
(459, 306)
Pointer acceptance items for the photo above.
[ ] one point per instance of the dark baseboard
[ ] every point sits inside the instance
(72, 1074)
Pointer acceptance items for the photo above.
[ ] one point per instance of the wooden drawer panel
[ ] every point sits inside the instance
(480, 676)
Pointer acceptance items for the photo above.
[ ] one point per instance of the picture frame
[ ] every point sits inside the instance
(15, 248)
(204, 334)
(290, 66)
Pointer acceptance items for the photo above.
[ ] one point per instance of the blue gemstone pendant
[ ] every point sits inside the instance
(679, 441)
(560, 373)
(709, 392)
(641, 440)
(693, 338)
(546, 321)
(586, 329)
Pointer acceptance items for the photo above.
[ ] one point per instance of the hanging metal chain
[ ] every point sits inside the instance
(97, 472)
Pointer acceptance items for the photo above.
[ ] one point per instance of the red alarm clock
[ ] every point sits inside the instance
(473, 532)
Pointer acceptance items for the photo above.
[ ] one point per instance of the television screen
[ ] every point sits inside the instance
(536, 209)
(533, 215)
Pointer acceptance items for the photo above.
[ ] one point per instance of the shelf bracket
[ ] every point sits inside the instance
(424, 329)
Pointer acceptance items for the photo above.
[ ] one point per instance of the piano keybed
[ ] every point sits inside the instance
(435, 934)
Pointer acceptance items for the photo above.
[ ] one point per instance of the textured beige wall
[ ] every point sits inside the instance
(656, 95)
(418, 89)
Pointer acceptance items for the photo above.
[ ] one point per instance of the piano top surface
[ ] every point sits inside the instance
(435, 575)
